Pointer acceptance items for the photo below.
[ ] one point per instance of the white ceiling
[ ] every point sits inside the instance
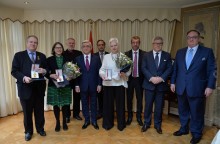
(69, 4)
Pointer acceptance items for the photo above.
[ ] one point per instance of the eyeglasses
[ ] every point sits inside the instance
(192, 37)
(58, 47)
(160, 44)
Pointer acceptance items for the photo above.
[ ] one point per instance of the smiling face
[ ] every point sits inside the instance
(32, 43)
(86, 47)
(114, 47)
(135, 43)
(70, 44)
(58, 50)
(192, 39)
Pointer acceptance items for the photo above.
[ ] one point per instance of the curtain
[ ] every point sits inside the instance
(13, 39)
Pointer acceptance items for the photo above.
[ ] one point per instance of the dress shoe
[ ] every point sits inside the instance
(28, 136)
(95, 125)
(140, 122)
(129, 121)
(65, 127)
(159, 130)
(86, 124)
(195, 140)
(78, 117)
(107, 128)
(57, 128)
(144, 128)
(42, 133)
(121, 128)
(179, 133)
(67, 120)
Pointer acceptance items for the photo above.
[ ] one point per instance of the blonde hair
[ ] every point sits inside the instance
(113, 39)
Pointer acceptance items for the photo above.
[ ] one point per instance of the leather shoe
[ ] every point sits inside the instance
(159, 130)
(42, 133)
(195, 140)
(65, 127)
(99, 116)
(28, 136)
(86, 124)
(144, 128)
(179, 133)
(140, 122)
(78, 117)
(57, 128)
(67, 120)
(95, 125)
(128, 122)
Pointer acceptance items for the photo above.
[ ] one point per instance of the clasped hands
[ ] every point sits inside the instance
(156, 80)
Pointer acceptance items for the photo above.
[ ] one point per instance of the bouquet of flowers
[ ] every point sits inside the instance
(123, 62)
(71, 71)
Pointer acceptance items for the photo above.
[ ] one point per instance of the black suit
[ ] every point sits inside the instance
(155, 92)
(70, 56)
(31, 94)
(135, 83)
(101, 93)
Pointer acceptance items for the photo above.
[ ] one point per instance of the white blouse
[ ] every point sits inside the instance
(109, 63)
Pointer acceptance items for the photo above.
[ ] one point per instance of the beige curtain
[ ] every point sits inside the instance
(13, 36)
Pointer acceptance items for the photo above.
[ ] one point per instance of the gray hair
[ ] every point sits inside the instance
(113, 39)
(157, 38)
(86, 41)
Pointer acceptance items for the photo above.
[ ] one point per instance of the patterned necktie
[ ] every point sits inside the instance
(189, 58)
(32, 57)
(135, 65)
(101, 56)
(87, 63)
(157, 60)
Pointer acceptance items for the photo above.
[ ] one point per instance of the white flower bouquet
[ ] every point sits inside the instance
(71, 71)
(123, 62)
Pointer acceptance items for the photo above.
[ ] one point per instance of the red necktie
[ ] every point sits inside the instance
(135, 65)
(87, 63)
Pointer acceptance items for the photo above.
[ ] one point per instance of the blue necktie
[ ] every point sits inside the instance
(189, 58)
(157, 60)
(32, 57)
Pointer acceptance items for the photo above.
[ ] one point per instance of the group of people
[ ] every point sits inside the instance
(191, 77)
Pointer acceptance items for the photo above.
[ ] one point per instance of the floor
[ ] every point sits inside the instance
(12, 132)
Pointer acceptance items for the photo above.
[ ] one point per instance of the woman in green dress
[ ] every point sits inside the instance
(62, 96)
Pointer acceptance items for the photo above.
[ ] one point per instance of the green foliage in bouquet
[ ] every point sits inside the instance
(71, 71)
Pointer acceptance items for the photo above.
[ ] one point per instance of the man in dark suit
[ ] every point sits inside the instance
(89, 83)
(70, 55)
(156, 67)
(29, 68)
(101, 53)
(135, 81)
(193, 80)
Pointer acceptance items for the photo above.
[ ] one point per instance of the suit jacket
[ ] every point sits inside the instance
(21, 66)
(52, 66)
(89, 80)
(97, 54)
(149, 70)
(141, 54)
(200, 74)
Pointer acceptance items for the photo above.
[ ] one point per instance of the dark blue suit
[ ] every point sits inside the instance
(88, 82)
(191, 85)
(155, 92)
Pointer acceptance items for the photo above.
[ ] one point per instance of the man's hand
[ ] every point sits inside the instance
(77, 89)
(27, 79)
(172, 87)
(41, 71)
(99, 88)
(208, 92)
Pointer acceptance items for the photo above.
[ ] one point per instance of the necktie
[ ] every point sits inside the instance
(189, 58)
(157, 60)
(101, 56)
(32, 57)
(87, 63)
(135, 65)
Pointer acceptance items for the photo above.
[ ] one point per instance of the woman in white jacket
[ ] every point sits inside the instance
(114, 83)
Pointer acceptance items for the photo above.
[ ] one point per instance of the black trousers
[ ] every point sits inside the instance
(76, 105)
(135, 84)
(34, 104)
(113, 94)
(100, 101)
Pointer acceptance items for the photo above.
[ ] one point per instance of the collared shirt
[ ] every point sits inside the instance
(133, 56)
(30, 55)
(159, 55)
(89, 57)
(194, 50)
